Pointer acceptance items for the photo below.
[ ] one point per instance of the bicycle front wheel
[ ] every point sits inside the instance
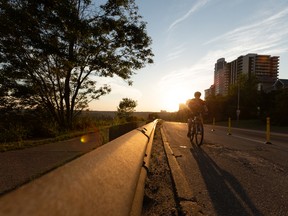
(199, 133)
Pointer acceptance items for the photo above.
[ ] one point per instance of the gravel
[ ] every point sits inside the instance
(159, 198)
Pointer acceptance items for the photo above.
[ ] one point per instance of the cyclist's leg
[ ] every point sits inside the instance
(189, 123)
(192, 130)
(202, 132)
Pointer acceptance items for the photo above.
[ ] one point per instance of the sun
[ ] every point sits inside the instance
(172, 97)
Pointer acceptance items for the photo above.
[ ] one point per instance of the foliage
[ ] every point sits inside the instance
(216, 107)
(152, 116)
(126, 108)
(282, 104)
(242, 95)
(18, 126)
(252, 103)
(15, 132)
(51, 53)
(276, 107)
(29, 129)
(246, 92)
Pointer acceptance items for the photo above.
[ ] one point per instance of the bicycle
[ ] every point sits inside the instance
(197, 129)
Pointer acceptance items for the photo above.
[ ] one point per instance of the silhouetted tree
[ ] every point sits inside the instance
(52, 51)
(217, 106)
(126, 108)
(248, 97)
(279, 111)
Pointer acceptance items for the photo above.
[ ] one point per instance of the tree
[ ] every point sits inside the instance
(217, 107)
(126, 108)
(51, 52)
(246, 90)
(279, 104)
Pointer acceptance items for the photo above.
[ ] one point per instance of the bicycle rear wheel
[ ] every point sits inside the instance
(199, 134)
(192, 133)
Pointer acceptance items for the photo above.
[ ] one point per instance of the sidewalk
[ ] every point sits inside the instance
(21, 166)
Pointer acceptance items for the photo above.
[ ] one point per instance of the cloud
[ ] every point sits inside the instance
(264, 36)
(119, 87)
(193, 77)
(120, 90)
(199, 4)
(176, 53)
(269, 35)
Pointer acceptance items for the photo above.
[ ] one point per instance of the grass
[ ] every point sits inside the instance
(103, 129)
(31, 143)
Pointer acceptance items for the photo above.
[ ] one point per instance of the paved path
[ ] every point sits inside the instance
(21, 166)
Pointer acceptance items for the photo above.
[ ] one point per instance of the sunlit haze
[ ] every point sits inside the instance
(188, 38)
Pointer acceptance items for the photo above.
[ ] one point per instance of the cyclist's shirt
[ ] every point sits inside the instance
(196, 106)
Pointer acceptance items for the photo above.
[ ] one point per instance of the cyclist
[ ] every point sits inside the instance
(196, 106)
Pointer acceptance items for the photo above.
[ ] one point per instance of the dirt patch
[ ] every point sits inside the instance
(159, 198)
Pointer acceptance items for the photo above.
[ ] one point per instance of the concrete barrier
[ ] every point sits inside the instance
(105, 181)
(119, 130)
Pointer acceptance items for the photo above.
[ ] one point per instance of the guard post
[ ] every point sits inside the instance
(268, 131)
(213, 124)
(229, 126)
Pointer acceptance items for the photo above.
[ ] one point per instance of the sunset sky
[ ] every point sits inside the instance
(188, 38)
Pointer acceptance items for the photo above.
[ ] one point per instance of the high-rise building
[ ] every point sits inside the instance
(210, 91)
(221, 77)
(263, 67)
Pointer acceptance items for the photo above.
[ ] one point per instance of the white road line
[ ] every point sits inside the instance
(253, 140)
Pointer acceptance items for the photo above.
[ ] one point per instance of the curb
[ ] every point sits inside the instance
(184, 193)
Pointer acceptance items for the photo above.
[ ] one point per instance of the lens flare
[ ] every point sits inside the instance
(84, 139)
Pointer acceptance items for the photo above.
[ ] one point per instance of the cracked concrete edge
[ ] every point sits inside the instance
(185, 195)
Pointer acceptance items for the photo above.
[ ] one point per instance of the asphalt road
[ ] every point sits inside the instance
(237, 174)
